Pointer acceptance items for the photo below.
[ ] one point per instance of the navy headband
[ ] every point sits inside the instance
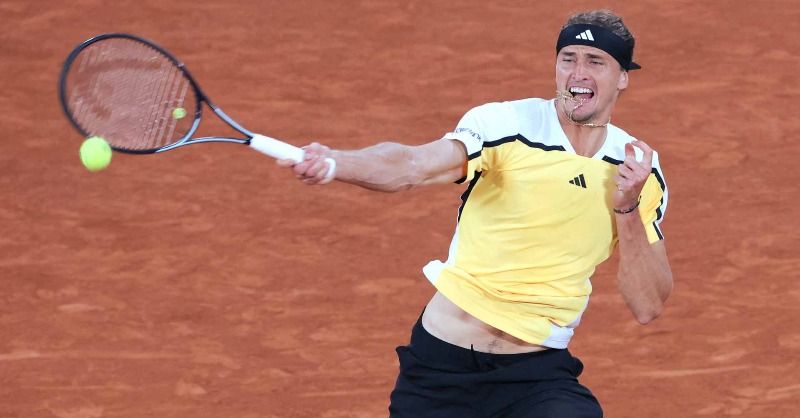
(600, 38)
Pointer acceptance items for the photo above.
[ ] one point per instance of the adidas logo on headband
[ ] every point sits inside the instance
(601, 38)
(587, 34)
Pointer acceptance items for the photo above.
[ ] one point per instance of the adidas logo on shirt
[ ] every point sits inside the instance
(587, 35)
(579, 181)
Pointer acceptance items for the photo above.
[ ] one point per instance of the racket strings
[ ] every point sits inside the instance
(127, 92)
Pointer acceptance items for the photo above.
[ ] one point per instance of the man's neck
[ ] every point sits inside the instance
(585, 140)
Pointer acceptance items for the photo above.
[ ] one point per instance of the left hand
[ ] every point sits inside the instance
(632, 175)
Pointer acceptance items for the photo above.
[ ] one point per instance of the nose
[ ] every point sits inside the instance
(581, 71)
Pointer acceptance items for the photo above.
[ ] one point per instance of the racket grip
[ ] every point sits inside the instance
(283, 151)
(276, 149)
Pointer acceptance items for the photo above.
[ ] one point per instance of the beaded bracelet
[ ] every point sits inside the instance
(629, 210)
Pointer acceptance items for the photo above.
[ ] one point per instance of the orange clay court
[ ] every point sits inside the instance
(207, 282)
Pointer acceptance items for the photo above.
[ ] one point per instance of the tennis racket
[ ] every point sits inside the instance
(143, 100)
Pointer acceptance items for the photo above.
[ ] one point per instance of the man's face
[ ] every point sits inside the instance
(593, 77)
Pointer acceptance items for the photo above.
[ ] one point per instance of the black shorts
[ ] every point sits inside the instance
(441, 380)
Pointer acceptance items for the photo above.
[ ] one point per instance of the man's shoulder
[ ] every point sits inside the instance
(614, 148)
(619, 135)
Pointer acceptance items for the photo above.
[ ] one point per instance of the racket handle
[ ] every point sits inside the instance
(276, 149)
(283, 151)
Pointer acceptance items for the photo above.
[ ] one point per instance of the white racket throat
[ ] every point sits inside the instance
(283, 151)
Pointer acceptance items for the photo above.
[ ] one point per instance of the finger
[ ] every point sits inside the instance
(326, 178)
(638, 168)
(626, 171)
(312, 146)
(646, 150)
(316, 149)
(317, 169)
(620, 183)
(285, 163)
(630, 154)
(629, 164)
(309, 154)
(301, 169)
(310, 151)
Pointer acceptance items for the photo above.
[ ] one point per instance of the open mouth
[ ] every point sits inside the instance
(583, 94)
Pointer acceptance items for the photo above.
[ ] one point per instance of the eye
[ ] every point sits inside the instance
(596, 62)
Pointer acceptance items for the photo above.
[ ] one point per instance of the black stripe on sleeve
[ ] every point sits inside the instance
(501, 141)
(658, 231)
(506, 140)
(465, 195)
(526, 141)
(540, 145)
(653, 170)
(663, 186)
(659, 178)
(496, 143)
(661, 183)
(470, 157)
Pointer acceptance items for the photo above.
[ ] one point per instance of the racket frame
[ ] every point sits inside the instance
(198, 111)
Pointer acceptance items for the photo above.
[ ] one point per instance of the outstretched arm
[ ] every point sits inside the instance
(386, 167)
(644, 276)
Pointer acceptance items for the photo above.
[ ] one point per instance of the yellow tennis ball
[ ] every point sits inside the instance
(95, 153)
(178, 113)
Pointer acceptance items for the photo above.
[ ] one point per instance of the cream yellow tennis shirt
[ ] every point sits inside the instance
(535, 221)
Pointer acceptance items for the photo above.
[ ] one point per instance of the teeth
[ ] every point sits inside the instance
(579, 90)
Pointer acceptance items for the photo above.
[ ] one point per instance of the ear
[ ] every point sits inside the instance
(622, 83)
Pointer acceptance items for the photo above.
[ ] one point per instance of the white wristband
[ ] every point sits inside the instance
(331, 174)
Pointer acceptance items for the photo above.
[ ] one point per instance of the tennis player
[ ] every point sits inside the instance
(551, 188)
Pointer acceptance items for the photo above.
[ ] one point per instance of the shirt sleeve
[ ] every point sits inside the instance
(480, 125)
(653, 205)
